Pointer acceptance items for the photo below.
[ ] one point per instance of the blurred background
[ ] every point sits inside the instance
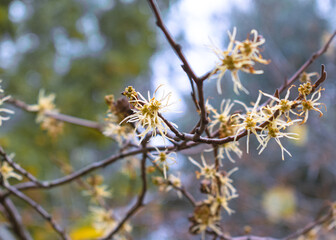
(82, 50)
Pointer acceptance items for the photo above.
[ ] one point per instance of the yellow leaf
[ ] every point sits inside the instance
(85, 233)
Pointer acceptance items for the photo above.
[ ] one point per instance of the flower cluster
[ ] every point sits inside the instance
(104, 222)
(271, 121)
(146, 112)
(239, 56)
(103, 218)
(226, 125)
(217, 185)
(45, 104)
(4, 110)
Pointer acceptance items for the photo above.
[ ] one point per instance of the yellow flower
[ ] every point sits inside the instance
(311, 104)
(52, 126)
(207, 171)
(283, 105)
(165, 159)
(98, 192)
(224, 116)
(146, 114)
(273, 130)
(306, 77)
(250, 120)
(103, 220)
(219, 201)
(44, 103)
(227, 148)
(238, 56)
(222, 196)
(203, 219)
(118, 132)
(250, 48)
(7, 172)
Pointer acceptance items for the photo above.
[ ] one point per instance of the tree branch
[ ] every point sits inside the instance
(39, 209)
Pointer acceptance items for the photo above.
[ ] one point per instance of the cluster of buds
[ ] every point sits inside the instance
(45, 104)
(4, 110)
(239, 56)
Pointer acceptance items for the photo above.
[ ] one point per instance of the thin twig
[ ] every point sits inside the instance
(301, 232)
(59, 116)
(176, 47)
(15, 220)
(39, 209)
(313, 57)
(185, 193)
(18, 168)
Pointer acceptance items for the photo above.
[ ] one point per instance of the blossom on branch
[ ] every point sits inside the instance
(274, 129)
(227, 148)
(45, 103)
(250, 121)
(165, 159)
(207, 171)
(283, 105)
(7, 172)
(146, 113)
(239, 56)
(311, 104)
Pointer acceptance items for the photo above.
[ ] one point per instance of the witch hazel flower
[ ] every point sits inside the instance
(165, 159)
(227, 148)
(146, 113)
(311, 104)
(250, 48)
(44, 104)
(283, 105)
(239, 56)
(207, 171)
(223, 116)
(275, 129)
(250, 122)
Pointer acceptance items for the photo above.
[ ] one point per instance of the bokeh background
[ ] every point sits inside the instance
(82, 50)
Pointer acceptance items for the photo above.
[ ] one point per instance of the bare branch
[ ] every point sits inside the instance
(58, 116)
(18, 168)
(15, 220)
(38, 209)
(177, 48)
